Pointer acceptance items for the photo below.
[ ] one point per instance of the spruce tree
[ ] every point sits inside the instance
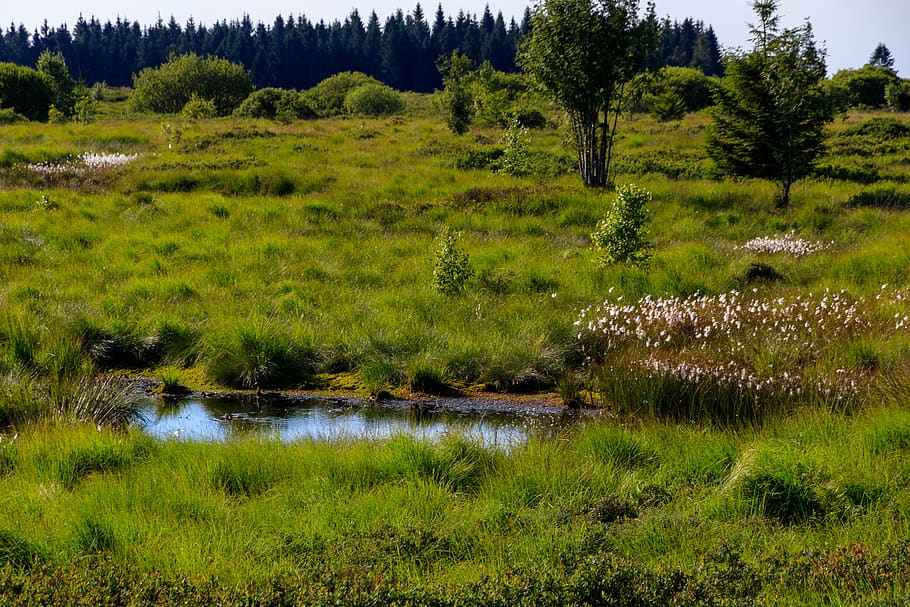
(881, 57)
(771, 110)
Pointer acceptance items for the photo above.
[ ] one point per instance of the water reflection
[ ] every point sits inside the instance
(220, 419)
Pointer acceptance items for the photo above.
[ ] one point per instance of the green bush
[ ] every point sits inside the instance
(671, 92)
(456, 100)
(879, 129)
(197, 108)
(897, 96)
(10, 116)
(63, 88)
(275, 104)
(374, 100)
(864, 87)
(327, 97)
(621, 237)
(167, 89)
(515, 157)
(25, 91)
(453, 269)
(495, 94)
(883, 197)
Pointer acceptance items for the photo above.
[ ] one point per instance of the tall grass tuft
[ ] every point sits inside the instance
(21, 344)
(777, 484)
(17, 553)
(104, 401)
(254, 356)
(242, 474)
(94, 536)
(20, 399)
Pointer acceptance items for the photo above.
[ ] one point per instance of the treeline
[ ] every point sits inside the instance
(296, 53)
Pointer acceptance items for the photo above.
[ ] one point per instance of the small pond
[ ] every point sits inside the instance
(325, 419)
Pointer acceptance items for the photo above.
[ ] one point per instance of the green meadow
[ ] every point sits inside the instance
(750, 441)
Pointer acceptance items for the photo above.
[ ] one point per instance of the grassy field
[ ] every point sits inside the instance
(753, 376)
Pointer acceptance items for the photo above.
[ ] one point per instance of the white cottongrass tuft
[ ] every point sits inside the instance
(788, 244)
(86, 162)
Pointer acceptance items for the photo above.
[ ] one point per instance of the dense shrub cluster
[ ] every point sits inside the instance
(168, 89)
(671, 92)
(720, 578)
(861, 88)
(24, 91)
(276, 104)
(373, 100)
(327, 97)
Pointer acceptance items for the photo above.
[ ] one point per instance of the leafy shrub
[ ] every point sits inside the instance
(10, 116)
(374, 100)
(84, 110)
(863, 87)
(859, 172)
(671, 92)
(495, 94)
(198, 107)
(897, 96)
(168, 88)
(25, 91)
(452, 269)
(478, 158)
(63, 88)
(327, 97)
(456, 101)
(621, 237)
(275, 104)
(528, 118)
(515, 157)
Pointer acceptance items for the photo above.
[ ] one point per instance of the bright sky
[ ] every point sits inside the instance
(849, 30)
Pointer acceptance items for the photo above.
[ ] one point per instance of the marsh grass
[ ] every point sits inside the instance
(180, 255)
(258, 355)
(444, 517)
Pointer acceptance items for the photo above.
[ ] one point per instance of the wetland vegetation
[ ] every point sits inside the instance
(751, 381)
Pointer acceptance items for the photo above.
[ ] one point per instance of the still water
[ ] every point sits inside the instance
(221, 419)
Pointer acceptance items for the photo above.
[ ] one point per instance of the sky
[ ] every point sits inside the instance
(849, 31)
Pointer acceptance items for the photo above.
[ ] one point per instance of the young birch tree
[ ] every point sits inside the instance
(582, 53)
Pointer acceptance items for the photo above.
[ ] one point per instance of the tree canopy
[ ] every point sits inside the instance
(582, 53)
(293, 52)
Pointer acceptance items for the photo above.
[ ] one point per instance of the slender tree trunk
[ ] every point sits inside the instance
(784, 201)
